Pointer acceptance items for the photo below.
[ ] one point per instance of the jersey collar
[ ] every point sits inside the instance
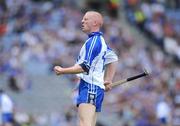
(95, 33)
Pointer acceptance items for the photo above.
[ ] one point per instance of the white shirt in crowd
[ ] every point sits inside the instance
(6, 104)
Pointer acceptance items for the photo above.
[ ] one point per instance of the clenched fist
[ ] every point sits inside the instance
(107, 85)
(58, 70)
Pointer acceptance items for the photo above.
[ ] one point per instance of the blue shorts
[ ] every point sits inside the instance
(7, 118)
(90, 93)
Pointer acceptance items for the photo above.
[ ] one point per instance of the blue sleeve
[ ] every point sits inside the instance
(92, 49)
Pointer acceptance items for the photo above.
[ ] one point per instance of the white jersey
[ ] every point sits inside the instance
(93, 57)
(6, 104)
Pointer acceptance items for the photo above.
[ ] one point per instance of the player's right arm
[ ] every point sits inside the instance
(69, 70)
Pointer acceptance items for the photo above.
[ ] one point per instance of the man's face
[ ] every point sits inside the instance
(87, 23)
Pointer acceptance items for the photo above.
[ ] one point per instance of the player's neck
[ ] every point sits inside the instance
(94, 30)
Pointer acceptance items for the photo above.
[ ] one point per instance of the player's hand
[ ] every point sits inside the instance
(107, 85)
(58, 70)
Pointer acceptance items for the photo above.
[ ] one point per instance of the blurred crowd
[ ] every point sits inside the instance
(159, 20)
(35, 36)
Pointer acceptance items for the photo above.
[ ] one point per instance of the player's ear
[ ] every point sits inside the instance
(94, 23)
(97, 23)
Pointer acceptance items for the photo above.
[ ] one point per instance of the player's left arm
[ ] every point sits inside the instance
(109, 74)
(69, 70)
(111, 61)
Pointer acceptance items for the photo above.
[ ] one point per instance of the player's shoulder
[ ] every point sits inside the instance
(110, 52)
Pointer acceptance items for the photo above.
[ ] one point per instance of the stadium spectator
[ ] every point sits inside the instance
(158, 22)
(6, 109)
